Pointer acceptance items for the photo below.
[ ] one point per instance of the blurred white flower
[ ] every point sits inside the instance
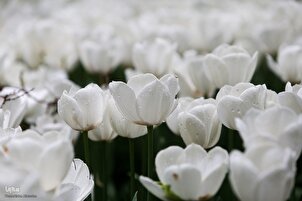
(277, 124)
(197, 73)
(229, 65)
(101, 56)
(234, 102)
(122, 126)
(262, 173)
(104, 131)
(188, 174)
(190, 71)
(77, 184)
(289, 63)
(155, 56)
(46, 123)
(180, 69)
(205, 37)
(50, 155)
(145, 99)
(13, 108)
(196, 121)
(28, 43)
(83, 109)
(292, 97)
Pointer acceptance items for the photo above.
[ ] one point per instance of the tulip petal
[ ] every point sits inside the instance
(91, 101)
(70, 111)
(216, 70)
(185, 181)
(138, 82)
(276, 116)
(291, 100)
(237, 65)
(229, 108)
(242, 172)
(79, 176)
(172, 83)
(55, 168)
(154, 103)
(193, 154)
(192, 130)
(166, 158)
(214, 169)
(125, 100)
(275, 186)
(153, 187)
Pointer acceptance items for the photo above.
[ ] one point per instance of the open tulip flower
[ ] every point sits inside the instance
(196, 121)
(188, 174)
(83, 109)
(280, 125)
(234, 102)
(263, 173)
(50, 173)
(146, 100)
(230, 65)
(289, 63)
(292, 97)
(154, 56)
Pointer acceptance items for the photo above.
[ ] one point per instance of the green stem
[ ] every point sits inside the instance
(132, 168)
(86, 154)
(86, 148)
(150, 156)
(231, 140)
(104, 169)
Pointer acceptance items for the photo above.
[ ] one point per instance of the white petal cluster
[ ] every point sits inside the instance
(145, 99)
(196, 121)
(83, 109)
(48, 174)
(234, 102)
(268, 170)
(190, 173)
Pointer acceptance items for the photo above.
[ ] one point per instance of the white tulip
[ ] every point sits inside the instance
(229, 65)
(154, 57)
(172, 119)
(289, 63)
(292, 97)
(29, 44)
(199, 123)
(189, 174)
(234, 102)
(145, 99)
(262, 173)
(77, 184)
(192, 78)
(196, 121)
(82, 110)
(122, 126)
(277, 124)
(102, 57)
(104, 131)
(50, 155)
